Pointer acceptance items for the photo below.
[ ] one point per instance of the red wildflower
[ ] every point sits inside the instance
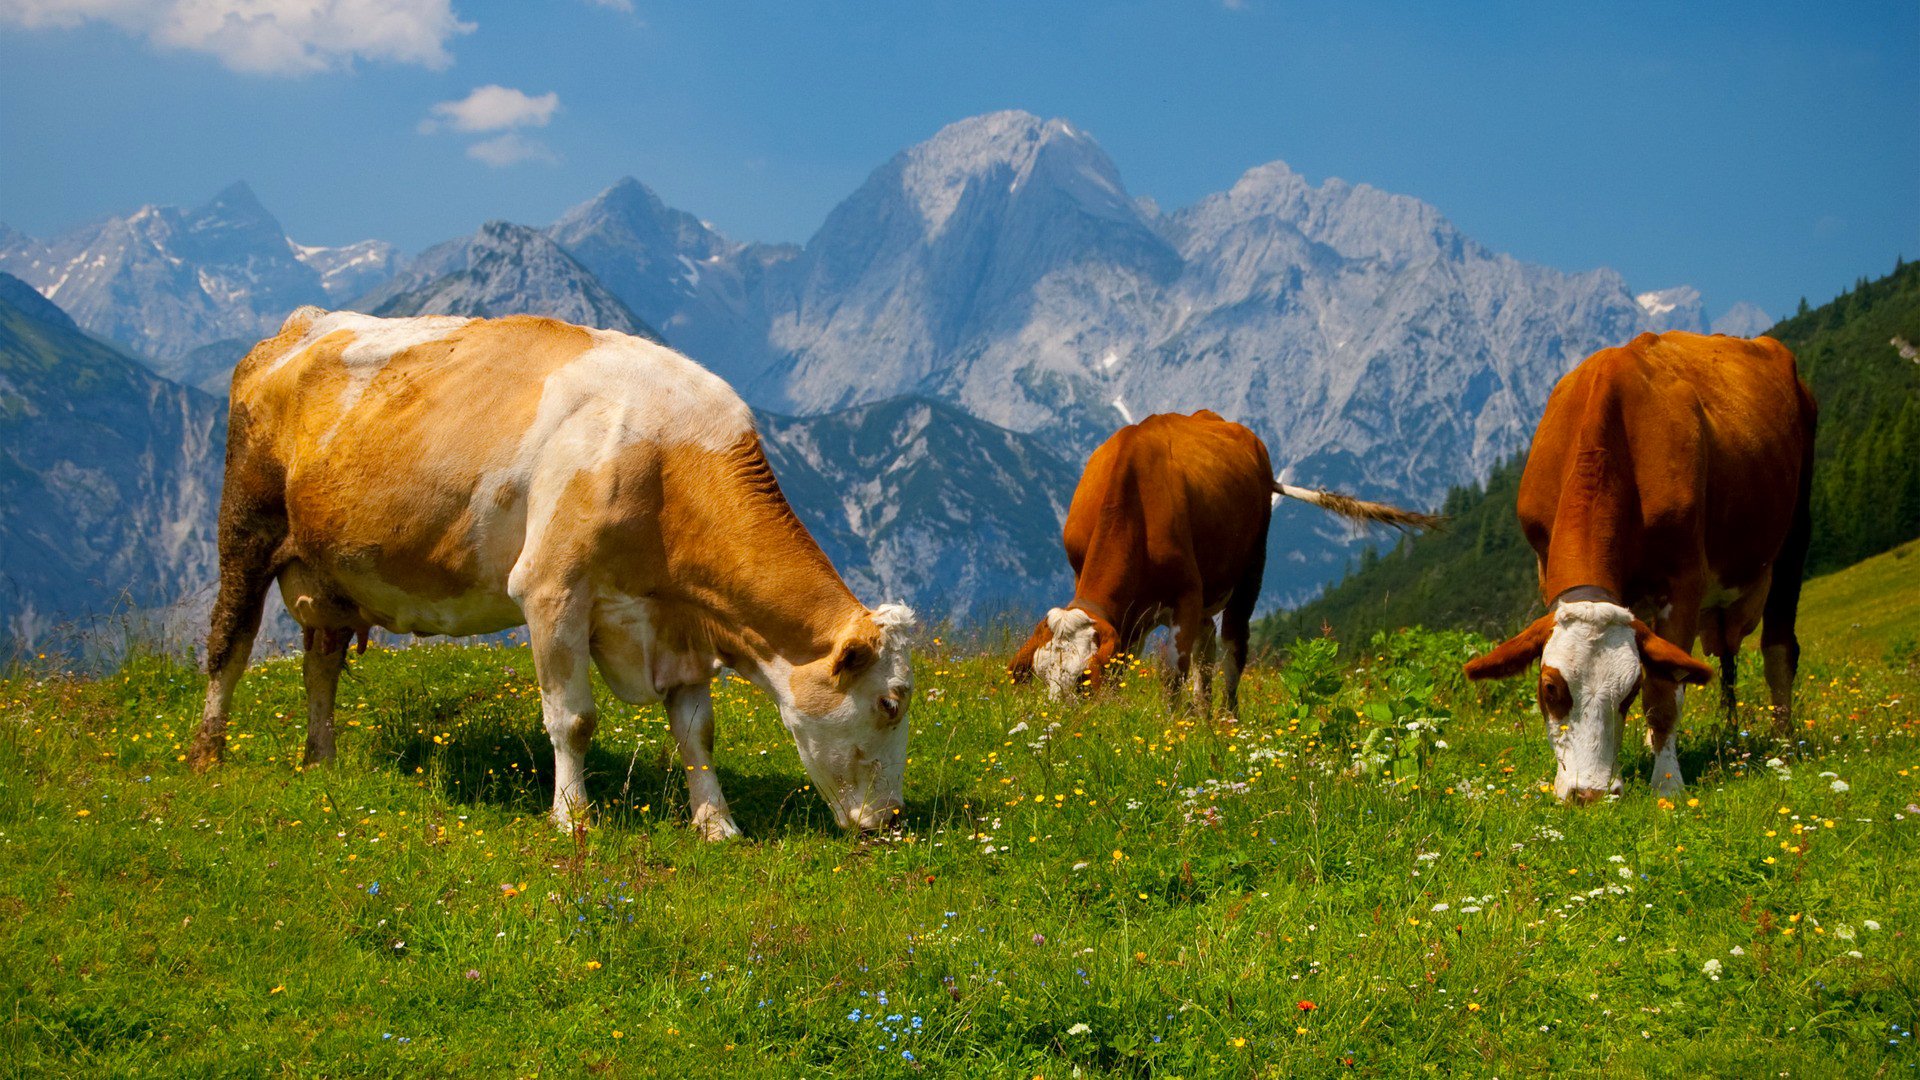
(1306, 1006)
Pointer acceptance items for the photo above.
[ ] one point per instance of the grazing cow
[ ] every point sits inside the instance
(1670, 477)
(1169, 527)
(462, 476)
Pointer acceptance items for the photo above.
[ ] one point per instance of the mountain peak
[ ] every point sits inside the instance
(1018, 145)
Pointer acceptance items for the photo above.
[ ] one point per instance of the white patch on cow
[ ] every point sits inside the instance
(1594, 649)
(1063, 660)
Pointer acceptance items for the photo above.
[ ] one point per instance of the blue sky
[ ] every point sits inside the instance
(1757, 151)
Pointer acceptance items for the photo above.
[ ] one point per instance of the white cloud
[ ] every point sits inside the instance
(512, 148)
(492, 108)
(625, 7)
(267, 37)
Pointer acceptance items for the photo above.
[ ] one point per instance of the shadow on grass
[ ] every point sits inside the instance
(644, 788)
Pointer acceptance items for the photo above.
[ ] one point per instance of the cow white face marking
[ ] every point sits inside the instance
(1589, 671)
(855, 749)
(1062, 661)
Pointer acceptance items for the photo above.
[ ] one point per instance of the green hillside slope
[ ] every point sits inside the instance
(1479, 574)
(1870, 609)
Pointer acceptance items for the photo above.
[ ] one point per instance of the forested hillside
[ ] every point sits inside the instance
(1479, 573)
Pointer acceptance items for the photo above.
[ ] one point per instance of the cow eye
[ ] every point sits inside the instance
(890, 705)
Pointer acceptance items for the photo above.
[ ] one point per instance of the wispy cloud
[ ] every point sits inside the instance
(512, 148)
(492, 108)
(625, 7)
(267, 37)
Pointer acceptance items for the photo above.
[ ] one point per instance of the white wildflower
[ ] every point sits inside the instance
(1080, 1029)
(1870, 924)
(1841, 785)
(1712, 969)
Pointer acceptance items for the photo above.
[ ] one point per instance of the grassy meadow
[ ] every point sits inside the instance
(1363, 877)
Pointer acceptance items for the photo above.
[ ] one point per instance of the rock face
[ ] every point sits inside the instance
(699, 288)
(504, 269)
(109, 477)
(352, 270)
(915, 500)
(1744, 320)
(164, 281)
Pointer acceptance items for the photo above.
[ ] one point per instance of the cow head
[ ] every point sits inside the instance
(1592, 654)
(1068, 650)
(848, 715)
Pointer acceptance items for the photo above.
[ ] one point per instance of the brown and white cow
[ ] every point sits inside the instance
(1168, 527)
(462, 476)
(1669, 477)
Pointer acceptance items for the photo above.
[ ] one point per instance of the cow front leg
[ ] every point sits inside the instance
(1187, 625)
(326, 657)
(1200, 671)
(557, 628)
(690, 716)
(1664, 700)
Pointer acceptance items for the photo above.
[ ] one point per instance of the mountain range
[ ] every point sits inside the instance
(994, 292)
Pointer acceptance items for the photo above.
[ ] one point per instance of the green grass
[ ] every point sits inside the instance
(1206, 901)
(1870, 608)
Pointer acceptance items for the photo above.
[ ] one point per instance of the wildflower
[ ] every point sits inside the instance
(1305, 1006)
(1711, 969)
(275, 990)
(1239, 1041)
(1736, 951)
(618, 1035)
(1840, 786)
(1870, 924)
(1299, 1031)
(1473, 1006)
(1118, 855)
(593, 965)
(473, 973)
(1080, 1029)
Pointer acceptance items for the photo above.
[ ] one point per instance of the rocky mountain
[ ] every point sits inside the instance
(350, 270)
(504, 269)
(1743, 320)
(109, 476)
(699, 288)
(165, 280)
(915, 500)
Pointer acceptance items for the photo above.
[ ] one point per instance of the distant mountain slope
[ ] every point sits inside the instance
(1479, 574)
(163, 280)
(503, 269)
(1002, 265)
(109, 474)
(915, 500)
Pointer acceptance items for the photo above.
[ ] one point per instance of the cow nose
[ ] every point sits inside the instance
(1584, 796)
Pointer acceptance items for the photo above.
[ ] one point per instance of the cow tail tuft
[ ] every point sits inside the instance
(1359, 509)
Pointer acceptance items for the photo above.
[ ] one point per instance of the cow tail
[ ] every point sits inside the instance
(1359, 509)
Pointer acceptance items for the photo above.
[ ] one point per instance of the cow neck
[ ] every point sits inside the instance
(737, 552)
(1595, 525)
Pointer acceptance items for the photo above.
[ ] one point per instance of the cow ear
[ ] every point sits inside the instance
(1666, 660)
(1515, 654)
(1022, 666)
(853, 656)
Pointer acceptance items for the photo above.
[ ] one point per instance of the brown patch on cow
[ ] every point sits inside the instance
(1556, 700)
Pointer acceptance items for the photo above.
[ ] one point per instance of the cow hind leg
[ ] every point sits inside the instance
(558, 628)
(326, 657)
(690, 716)
(1779, 645)
(1236, 629)
(247, 566)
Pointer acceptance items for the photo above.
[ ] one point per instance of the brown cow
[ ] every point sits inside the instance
(1169, 527)
(1668, 477)
(461, 476)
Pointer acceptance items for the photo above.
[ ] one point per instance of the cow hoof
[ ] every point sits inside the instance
(716, 827)
(1667, 785)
